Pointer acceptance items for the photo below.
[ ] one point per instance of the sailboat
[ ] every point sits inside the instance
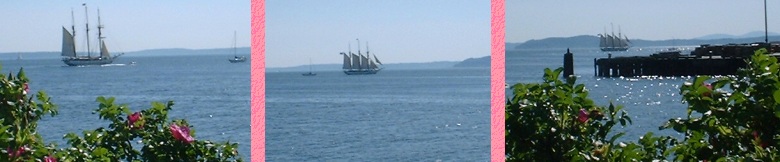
(69, 55)
(236, 58)
(310, 73)
(360, 64)
(612, 42)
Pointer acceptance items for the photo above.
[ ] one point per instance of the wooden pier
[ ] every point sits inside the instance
(704, 60)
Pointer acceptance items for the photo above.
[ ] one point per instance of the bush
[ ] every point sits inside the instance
(556, 121)
(732, 118)
(150, 130)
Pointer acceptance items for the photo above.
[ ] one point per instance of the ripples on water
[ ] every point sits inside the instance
(401, 115)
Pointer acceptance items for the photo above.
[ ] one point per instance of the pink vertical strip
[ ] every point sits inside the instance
(258, 81)
(498, 94)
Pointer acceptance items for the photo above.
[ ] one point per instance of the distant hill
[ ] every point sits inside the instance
(474, 62)
(746, 35)
(589, 41)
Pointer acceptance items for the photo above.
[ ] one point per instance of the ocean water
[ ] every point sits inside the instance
(394, 115)
(650, 101)
(208, 91)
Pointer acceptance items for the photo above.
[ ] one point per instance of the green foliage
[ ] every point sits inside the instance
(556, 121)
(732, 118)
(150, 130)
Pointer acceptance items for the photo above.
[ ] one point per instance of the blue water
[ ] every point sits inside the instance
(395, 115)
(209, 92)
(650, 101)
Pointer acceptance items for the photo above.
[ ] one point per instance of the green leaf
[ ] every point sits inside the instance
(776, 96)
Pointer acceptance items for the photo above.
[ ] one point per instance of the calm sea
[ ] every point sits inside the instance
(649, 101)
(209, 92)
(394, 115)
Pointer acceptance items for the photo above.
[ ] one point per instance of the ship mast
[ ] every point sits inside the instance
(368, 56)
(100, 34)
(87, 22)
(72, 22)
(360, 59)
(766, 30)
(234, 44)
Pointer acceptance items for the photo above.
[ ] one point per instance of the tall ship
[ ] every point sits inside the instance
(69, 55)
(612, 42)
(359, 64)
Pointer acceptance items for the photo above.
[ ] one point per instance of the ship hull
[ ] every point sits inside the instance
(237, 60)
(606, 49)
(86, 61)
(361, 72)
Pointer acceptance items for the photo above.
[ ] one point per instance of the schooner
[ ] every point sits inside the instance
(69, 55)
(359, 64)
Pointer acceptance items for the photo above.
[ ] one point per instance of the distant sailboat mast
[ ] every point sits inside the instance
(72, 23)
(87, 35)
(234, 44)
(360, 58)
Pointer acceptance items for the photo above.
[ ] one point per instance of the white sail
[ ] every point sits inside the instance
(104, 50)
(68, 46)
(347, 63)
(355, 61)
(364, 62)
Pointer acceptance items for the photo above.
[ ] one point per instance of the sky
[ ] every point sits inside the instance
(33, 26)
(397, 31)
(649, 20)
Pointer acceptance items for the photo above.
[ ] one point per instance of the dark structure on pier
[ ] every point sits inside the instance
(704, 60)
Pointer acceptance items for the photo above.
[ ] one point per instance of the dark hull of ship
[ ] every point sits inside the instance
(237, 60)
(361, 71)
(606, 49)
(86, 61)
(309, 74)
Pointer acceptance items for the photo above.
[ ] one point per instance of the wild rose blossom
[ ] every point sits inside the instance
(762, 143)
(49, 159)
(181, 133)
(709, 90)
(26, 88)
(133, 118)
(583, 116)
(15, 153)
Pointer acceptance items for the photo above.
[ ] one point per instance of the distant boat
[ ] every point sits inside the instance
(19, 57)
(360, 64)
(236, 58)
(612, 42)
(69, 55)
(310, 73)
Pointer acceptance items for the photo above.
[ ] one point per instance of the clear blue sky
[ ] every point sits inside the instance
(650, 20)
(29, 26)
(397, 31)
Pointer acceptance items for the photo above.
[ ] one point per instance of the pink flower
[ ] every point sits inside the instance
(26, 88)
(49, 159)
(131, 119)
(181, 133)
(15, 153)
(583, 116)
(709, 90)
